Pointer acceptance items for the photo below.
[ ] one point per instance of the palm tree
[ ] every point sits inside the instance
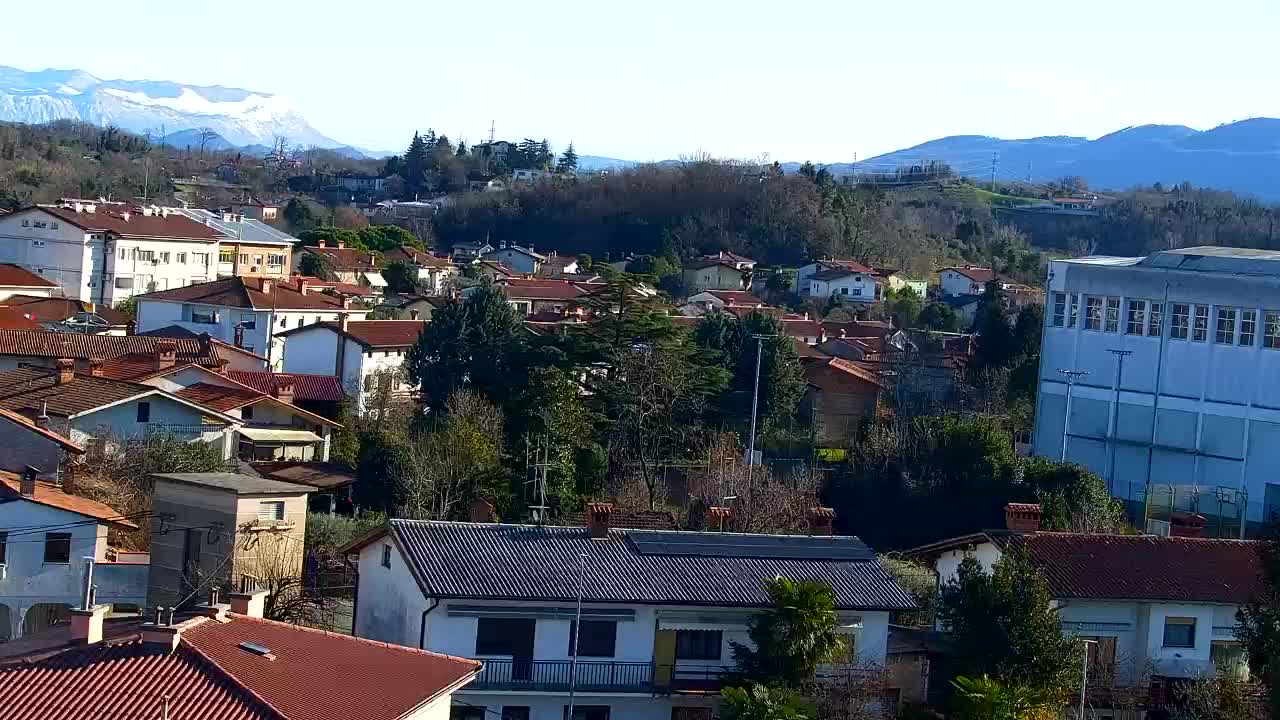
(794, 637)
(985, 698)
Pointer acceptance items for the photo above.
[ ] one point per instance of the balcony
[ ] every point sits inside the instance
(553, 676)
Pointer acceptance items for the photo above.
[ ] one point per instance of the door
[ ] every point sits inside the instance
(664, 657)
(522, 650)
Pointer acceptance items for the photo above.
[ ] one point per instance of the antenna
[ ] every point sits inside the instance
(492, 127)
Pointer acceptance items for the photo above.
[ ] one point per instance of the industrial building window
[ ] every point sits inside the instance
(271, 511)
(1093, 313)
(1155, 319)
(1248, 327)
(1113, 315)
(1074, 301)
(698, 644)
(515, 712)
(1224, 332)
(57, 548)
(1137, 317)
(1059, 309)
(1181, 321)
(1179, 632)
(386, 556)
(1271, 330)
(1200, 324)
(598, 638)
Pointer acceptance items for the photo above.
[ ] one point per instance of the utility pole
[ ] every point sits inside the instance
(1071, 376)
(995, 160)
(577, 630)
(1115, 413)
(1084, 675)
(492, 127)
(755, 402)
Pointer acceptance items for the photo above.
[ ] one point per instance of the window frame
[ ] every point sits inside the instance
(1249, 317)
(1111, 318)
(596, 649)
(1271, 329)
(491, 633)
(386, 555)
(1094, 310)
(4, 546)
(1059, 309)
(144, 411)
(1155, 319)
(1171, 621)
(271, 511)
(50, 538)
(1225, 321)
(1180, 323)
(1136, 318)
(1200, 323)
(697, 646)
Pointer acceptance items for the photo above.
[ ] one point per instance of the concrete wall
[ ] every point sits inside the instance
(1183, 412)
(20, 447)
(854, 288)
(204, 516)
(58, 251)
(121, 421)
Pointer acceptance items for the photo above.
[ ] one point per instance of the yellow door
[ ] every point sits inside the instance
(664, 657)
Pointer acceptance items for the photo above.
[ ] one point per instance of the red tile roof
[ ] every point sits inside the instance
(539, 289)
(111, 218)
(857, 329)
(348, 259)
(32, 389)
(16, 276)
(55, 310)
(976, 274)
(371, 333)
(244, 292)
(735, 297)
(417, 257)
(218, 397)
(642, 520)
(320, 475)
(53, 496)
(1141, 567)
(29, 425)
(799, 327)
(839, 376)
(77, 346)
(849, 265)
(15, 319)
(320, 388)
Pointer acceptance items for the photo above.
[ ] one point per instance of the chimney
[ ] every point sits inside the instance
(320, 243)
(282, 389)
(482, 511)
(1022, 517)
(342, 245)
(67, 474)
(342, 317)
(373, 259)
(86, 620)
(598, 516)
(1186, 524)
(719, 518)
(66, 370)
(166, 354)
(346, 302)
(249, 604)
(95, 367)
(303, 287)
(27, 485)
(821, 520)
(214, 609)
(161, 631)
(42, 420)
(266, 287)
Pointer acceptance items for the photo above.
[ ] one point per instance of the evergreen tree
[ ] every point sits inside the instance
(568, 162)
(734, 342)
(477, 344)
(462, 149)
(544, 155)
(1258, 625)
(298, 214)
(416, 163)
(430, 138)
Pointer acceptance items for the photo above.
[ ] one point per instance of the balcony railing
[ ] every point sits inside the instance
(553, 676)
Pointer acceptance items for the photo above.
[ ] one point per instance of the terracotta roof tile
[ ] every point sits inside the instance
(34, 388)
(82, 347)
(54, 310)
(643, 520)
(53, 496)
(243, 292)
(735, 297)
(218, 397)
(347, 258)
(110, 218)
(840, 376)
(320, 388)
(15, 319)
(417, 257)
(28, 424)
(17, 276)
(371, 333)
(976, 274)
(540, 289)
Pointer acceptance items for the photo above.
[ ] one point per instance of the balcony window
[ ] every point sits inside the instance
(57, 548)
(1180, 632)
(504, 636)
(698, 644)
(598, 638)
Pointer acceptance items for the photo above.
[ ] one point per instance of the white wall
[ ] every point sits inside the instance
(199, 265)
(954, 283)
(59, 253)
(855, 288)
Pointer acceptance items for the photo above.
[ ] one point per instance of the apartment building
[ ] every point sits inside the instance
(659, 608)
(249, 247)
(1160, 374)
(104, 253)
(367, 356)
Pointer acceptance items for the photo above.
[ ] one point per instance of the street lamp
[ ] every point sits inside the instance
(1084, 674)
(1071, 376)
(755, 403)
(1115, 416)
(577, 628)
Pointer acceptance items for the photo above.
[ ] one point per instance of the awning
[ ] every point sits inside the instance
(375, 279)
(285, 437)
(704, 621)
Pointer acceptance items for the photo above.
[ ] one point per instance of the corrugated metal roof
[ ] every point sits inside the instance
(1239, 261)
(525, 562)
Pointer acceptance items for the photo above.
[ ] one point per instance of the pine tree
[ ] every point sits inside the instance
(544, 155)
(462, 148)
(431, 138)
(416, 160)
(568, 161)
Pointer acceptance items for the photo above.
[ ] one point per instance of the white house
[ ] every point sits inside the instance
(45, 535)
(965, 280)
(659, 608)
(434, 274)
(1159, 605)
(706, 301)
(521, 259)
(1176, 400)
(849, 285)
(17, 280)
(529, 175)
(363, 354)
(107, 252)
(246, 312)
(805, 273)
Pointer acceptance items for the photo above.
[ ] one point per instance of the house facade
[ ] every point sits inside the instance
(1175, 402)
(704, 275)
(965, 280)
(107, 252)
(249, 246)
(847, 285)
(839, 396)
(804, 274)
(521, 259)
(366, 356)
(434, 274)
(654, 642)
(898, 280)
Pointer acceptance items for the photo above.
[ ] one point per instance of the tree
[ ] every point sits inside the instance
(462, 149)
(1258, 624)
(996, 344)
(903, 307)
(584, 263)
(457, 461)
(298, 215)
(400, 277)
(1072, 499)
(568, 162)
(793, 637)
(417, 162)
(1219, 697)
(735, 342)
(762, 702)
(317, 266)
(939, 316)
(986, 698)
(1002, 624)
(205, 135)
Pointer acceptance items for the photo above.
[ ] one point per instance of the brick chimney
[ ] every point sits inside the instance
(66, 370)
(341, 245)
(249, 604)
(719, 518)
(282, 389)
(42, 420)
(373, 259)
(343, 320)
(598, 516)
(1022, 517)
(266, 286)
(482, 511)
(166, 354)
(27, 484)
(320, 243)
(821, 521)
(95, 367)
(303, 287)
(1186, 524)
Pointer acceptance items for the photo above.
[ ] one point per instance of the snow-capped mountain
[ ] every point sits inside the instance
(241, 117)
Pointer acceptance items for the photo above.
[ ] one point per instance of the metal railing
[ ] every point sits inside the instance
(553, 676)
(180, 431)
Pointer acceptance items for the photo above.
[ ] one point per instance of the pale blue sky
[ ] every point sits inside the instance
(819, 80)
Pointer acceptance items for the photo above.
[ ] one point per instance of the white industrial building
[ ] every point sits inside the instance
(1162, 375)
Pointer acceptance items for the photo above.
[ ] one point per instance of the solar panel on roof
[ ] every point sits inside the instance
(787, 547)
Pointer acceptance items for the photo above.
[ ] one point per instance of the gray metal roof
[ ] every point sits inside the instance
(1238, 261)
(247, 229)
(526, 562)
(237, 483)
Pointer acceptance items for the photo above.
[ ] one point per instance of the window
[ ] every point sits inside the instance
(182, 258)
(386, 556)
(4, 545)
(1200, 324)
(246, 412)
(41, 224)
(1137, 317)
(1113, 315)
(597, 638)
(1181, 321)
(244, 258)
(57, 548)
(466, 712)
(1155, 319)
(1225, 329)
(698, 644)
(123, 254)
(204, 316)
(844, 291)
(283, 321)
(271, 511)
(124, 283)
(164, 257)
(226, 256)
(1248, 327)
(37, 243)
(1093, 313)
(857, 292)
(53, 226)
(144, 255)
(26, 223)
(1179, 632)
(587, 712)
(144, 412)
(503, 636)
(1271, 330)
(1074, 301)
(249, 323)
(278, 260)
(300, 321)
(200, 258)
(1059, 309)
(515, 712)
(257, 259)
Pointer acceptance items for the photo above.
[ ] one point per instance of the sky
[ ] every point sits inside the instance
(816, 80)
